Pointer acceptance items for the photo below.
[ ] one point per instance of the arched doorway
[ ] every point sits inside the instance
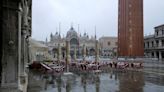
(55, 51)
(162, 54)
(74, 41)
(92, 52)
(73, 44)
(63, 52)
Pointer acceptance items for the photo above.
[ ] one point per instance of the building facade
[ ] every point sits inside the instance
(38, 51)
(105, 46)
(108, 46)
(154, 44)
(16, 18)
(77, 44)
(130, 28)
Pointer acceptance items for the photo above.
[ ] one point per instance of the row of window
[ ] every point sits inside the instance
(153, 44)
(157, 32)
(109, 43)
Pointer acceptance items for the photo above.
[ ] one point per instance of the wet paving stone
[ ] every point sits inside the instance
(108, 81)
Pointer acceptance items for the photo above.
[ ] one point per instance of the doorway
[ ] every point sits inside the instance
(162, 55)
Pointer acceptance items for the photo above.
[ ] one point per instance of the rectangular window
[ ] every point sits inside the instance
(147, 44)
(156, 33)
(108, 43)
(157, 43)
(163, 32)
(162, 43)
(152, 44)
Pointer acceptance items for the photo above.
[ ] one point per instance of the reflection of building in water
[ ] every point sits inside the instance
(68, 86)
(77, 42)
(84, 82)
(97, 82)
(88, 79)
(34, 82)
(155, 79)
(59, 84)
(131, 82)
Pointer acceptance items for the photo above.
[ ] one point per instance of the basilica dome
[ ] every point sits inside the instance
(72, 33)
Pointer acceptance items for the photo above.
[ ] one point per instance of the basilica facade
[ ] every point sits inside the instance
(79, 44)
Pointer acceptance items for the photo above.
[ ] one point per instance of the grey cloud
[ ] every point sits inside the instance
(103, 13)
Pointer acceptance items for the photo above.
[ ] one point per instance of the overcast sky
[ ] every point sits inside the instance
(47, 14)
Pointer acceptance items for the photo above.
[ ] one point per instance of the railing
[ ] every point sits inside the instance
(155, 47)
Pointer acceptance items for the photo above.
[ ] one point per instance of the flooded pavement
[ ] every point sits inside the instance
(107, 81)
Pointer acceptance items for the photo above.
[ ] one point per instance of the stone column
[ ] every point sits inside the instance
(25, 23)
(97, 52)
(68, 57)
(25, 33)
(19, 45)
(155, 54)
(160, 55)
(150, 55)
(155, 45)
(160, 43)
(59, 52)
(75, 54)
(84, 52)
(55, 54)
(23, 77)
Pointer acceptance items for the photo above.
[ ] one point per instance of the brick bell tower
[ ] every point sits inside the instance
(130, 28)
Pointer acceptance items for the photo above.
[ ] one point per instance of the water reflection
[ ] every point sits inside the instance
(68, 86)
(131, 82)
(111, 81)
(59, 84)
(154, 79)
(97, 82)
(84, 82)
(90, 79)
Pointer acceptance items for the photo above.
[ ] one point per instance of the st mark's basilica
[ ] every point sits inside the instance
(79, 44)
